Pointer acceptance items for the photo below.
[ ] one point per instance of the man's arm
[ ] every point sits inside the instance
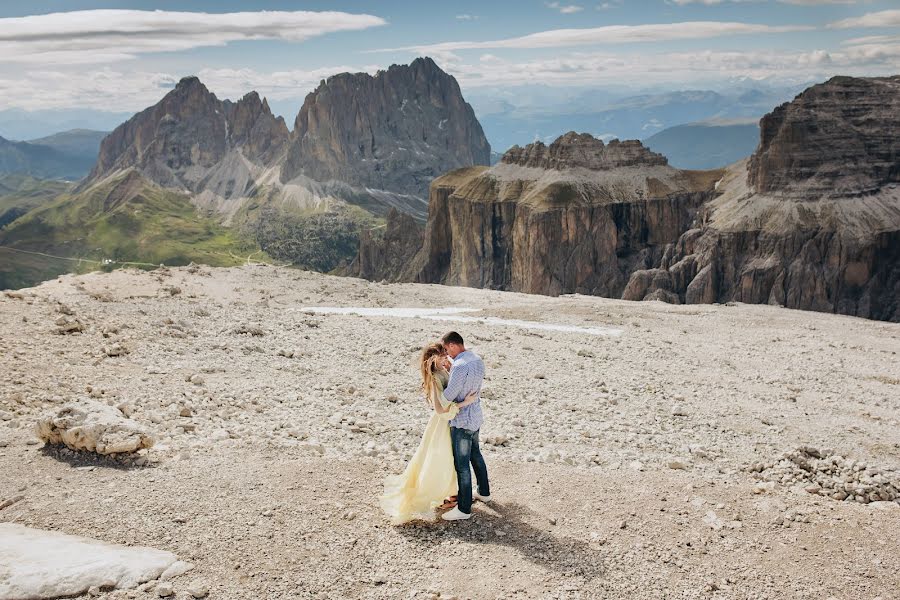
(457, 381)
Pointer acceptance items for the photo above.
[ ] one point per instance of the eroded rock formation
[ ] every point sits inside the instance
(575, 216)
(812, 220)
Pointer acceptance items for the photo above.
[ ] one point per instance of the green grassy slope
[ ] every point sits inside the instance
(22, 193)
(125, 218)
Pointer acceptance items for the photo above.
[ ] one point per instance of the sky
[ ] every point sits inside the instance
(121, 56)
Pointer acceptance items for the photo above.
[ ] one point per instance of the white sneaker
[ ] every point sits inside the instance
(477, 496)
(455, 515)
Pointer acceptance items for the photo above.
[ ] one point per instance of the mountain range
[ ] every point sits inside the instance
(811, 220)
(69, 155)
(361, 146)
(390, 176)
(706, 145)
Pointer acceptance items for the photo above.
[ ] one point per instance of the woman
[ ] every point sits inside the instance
(430, 476)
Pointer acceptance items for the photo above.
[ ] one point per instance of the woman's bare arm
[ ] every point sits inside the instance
(469, 400)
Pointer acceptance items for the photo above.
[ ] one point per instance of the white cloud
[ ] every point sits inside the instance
(103, 36)
(611, 34)
(467, 17)
(122, 91)
(683, 69)
(131, 90)
(566, 9)
(885, 18)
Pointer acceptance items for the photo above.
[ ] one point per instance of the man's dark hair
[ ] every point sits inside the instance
(452, 338)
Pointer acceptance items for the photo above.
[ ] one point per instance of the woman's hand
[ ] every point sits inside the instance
(469, 400)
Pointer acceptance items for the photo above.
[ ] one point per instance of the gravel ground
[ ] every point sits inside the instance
(647, 464)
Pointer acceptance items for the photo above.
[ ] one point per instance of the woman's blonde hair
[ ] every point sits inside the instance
(432, 355)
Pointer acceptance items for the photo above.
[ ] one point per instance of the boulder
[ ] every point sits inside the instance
(47, 564)
(93, 427)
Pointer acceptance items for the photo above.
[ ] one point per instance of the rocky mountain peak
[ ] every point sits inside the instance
(176, 141)
(190, 82)
(573, 150)
(396, 130)
(808, 145)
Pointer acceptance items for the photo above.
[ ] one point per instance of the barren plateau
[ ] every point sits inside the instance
(636, 449)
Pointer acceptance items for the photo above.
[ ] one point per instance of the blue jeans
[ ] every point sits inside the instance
(466, 452)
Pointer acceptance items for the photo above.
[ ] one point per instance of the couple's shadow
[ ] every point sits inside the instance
(505, 524)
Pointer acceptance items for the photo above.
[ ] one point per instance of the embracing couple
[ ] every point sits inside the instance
(438, 475)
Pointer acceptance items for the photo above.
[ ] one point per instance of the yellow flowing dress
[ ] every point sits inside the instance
(430, 476)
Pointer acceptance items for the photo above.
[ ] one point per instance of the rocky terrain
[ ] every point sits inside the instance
(647, 450)
(810, 221)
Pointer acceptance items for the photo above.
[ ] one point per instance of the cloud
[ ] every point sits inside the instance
(133, 90)
(681, 69)
(467, 17)
(611, 34)
(885, 18)
(104, 36)
(566, 9)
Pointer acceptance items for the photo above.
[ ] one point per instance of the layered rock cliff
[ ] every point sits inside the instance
(574, 216)
(396, 130)
(811, 221)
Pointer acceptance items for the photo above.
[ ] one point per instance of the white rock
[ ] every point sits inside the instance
(164, 590)
(49, 564)
(93, 426)
(175, 569)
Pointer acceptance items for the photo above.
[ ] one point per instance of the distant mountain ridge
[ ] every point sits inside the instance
(706, 145)
(45, 160)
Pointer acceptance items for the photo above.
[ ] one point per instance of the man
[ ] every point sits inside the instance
(466, 377)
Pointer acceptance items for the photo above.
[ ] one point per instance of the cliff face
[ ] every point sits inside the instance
(574, 216)
(395, 131)
(184, 139)
(811, 221)
(834, 140)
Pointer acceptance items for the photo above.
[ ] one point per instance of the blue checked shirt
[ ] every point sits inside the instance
(466, 377)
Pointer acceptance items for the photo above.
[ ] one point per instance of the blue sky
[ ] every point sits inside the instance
(62, 56)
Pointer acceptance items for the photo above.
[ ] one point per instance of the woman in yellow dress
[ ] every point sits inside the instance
(430, 476)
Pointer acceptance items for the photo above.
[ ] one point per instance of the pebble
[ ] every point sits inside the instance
(164, 589)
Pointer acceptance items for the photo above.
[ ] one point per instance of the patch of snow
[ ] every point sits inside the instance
(48, 564)
(455, 315)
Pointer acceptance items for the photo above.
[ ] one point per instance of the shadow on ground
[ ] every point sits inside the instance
(80, 459)
(507, 524)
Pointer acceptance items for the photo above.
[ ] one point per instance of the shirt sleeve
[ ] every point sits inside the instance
(456, 383)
